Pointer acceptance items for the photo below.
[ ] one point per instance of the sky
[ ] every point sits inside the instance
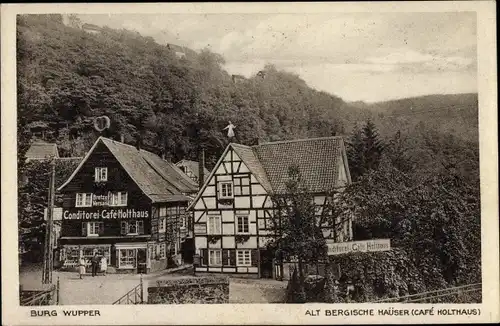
(358, 56)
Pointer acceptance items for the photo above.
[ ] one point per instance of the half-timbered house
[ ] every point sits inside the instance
(127, 204)
(232, 210)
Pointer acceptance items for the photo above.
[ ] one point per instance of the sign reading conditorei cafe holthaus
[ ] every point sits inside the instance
(125, 204)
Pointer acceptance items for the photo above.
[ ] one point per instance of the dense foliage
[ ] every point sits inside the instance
(67, 76)
(33, 199)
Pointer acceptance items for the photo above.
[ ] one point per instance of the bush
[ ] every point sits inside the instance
(373, 276)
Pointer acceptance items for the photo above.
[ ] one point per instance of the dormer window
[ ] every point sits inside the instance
(101, 174)
(226, 190)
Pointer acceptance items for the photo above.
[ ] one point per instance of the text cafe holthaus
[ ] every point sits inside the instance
(126, 204)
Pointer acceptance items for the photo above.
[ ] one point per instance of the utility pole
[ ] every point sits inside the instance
(48, 259)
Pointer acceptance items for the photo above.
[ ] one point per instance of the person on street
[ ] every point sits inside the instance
(104, 264)
(81, 267)
(95, 264)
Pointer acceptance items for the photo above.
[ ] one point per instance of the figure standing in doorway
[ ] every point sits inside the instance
(95, 264)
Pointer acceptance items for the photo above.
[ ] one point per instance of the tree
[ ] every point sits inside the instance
(435, 218)
(364, 150)
(297, 229)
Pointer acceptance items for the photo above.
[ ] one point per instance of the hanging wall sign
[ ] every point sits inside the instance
(200, 229)
(337, 248)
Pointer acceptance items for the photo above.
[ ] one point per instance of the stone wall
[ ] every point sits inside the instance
(189, 290)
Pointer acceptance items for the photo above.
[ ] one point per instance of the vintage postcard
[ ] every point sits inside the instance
(247, 163)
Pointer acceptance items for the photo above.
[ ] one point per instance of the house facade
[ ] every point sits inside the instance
(192, 169)
(126, 204)
(233, 210)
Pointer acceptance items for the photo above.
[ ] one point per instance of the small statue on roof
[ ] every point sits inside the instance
(230, 130)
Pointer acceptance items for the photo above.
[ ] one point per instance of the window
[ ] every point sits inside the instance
(101, 174)
(83, 200)
(226, 190)
(132, 227)
(162, 224)
(89, 252)
(214, 224)
(243, 225)
(92, 229)
(183, 221)
(127, 258)
(118, 198)
(71, 256)
(243, 258)
(215, 257)
(162, 250)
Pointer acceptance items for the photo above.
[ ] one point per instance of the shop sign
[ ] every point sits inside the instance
(106, 214)
(200, 229)
(100, 200)
(337, 248)
(56, 215)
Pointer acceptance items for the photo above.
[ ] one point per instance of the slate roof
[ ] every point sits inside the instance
(249, 156)
(160, 180)
(193, 166)
(317, 159)
(42, 151)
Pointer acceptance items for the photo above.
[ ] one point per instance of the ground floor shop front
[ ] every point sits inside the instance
(122, 257)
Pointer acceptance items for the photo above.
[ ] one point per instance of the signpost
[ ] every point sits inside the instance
(338, 248)
(48, 255)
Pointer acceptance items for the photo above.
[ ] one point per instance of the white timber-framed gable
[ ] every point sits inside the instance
(236, 213)
(237, 194)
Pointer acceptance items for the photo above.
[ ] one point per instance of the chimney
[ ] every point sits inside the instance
(122, 138)
(201, 168)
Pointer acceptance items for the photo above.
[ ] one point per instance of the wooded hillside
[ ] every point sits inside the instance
(67, 76)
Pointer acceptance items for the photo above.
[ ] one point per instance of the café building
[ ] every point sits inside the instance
(127, 204)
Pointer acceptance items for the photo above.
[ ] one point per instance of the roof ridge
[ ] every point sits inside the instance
(43, 143)
(129, 145)
(298, 140)
(240, 145)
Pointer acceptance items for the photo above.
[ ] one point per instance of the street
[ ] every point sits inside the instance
(104, 290)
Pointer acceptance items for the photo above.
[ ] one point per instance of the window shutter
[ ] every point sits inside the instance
(232, 257)
(204, 257)
(123, 228)
(225, 257)
(140, 227)
(101, 228)
(255, 257)
(96, 174)
(84, 229)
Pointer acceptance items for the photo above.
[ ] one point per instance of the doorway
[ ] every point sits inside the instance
(141, 260)
(266, 263)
